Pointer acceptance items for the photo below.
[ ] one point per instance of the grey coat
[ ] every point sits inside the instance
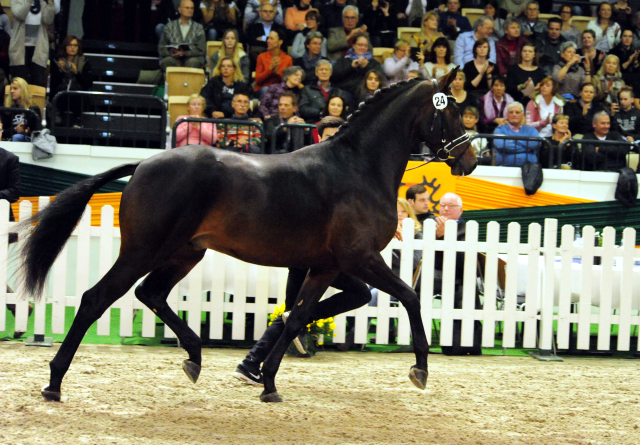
(172, 36)
(20, 10)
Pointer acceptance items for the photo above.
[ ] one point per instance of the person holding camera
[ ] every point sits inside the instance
(381, 23)
(404, 59)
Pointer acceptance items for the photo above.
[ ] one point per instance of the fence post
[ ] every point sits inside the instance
(4, 254)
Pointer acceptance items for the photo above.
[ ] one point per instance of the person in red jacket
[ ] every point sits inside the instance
(271, 63)
(509, 46)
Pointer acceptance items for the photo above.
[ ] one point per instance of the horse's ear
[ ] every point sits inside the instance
(445, 81)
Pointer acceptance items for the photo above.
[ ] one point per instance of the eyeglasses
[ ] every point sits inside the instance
(448, 206)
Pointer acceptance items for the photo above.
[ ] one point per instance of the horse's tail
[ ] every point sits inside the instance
(55, 223)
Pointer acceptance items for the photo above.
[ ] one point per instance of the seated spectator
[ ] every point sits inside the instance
(491, 10)
(409, 12)
(622, 13)
(218, 15)
(470, 118)
(568, 72)
(549, 45)
(523, 77)
(428, 33)
(607, 32)
(337, 107)
(479, 70)
(465, 43)
(295, 17)
(626, 117)
(440, 60)
(226, 81)
(592, 56)
(350, 70)
(195, 133)
(236, 137)
(600, 157)
(629, 58)
(420, 201)
(463, 98)
(608, 81)
(453, 23)
(370, 83)
(511, 152)
(342, 39)
(545, 104)
(530, 24)
(291, 82)
(509, 46)
(252, 14)
(287, 139)
(271, 63)
(381, 23)
(311, 56)
(561, 133)
(405, 212)
(581, 111)
(258, 32)
(329, 126)
(70, 71)
(231, 47)
(176, 49)
(21, 125)
(570, 32)
(416, 74)
(166, 11)
(398, 66)
(313, 98)
(301, 42)
(493, 106)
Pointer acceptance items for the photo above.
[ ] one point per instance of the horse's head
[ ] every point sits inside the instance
(444, 134)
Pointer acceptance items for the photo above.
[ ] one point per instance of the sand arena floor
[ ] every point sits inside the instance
(137, 395)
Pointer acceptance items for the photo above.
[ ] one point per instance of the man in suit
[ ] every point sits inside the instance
(183, 31)
(257, 33)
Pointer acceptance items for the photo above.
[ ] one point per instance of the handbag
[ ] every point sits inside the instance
(44, 145)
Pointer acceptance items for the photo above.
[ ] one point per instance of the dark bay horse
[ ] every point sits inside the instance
(330, 207)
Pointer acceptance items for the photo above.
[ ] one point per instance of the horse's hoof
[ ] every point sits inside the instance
(192, 370)
(418, 377)
(50, 396)
(269, 398)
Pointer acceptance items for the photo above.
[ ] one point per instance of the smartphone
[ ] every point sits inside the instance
(414, 54)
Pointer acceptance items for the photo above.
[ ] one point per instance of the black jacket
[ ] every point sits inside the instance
(219, 96)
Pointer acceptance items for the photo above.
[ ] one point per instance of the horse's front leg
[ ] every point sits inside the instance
(313, 288)
(376, 273)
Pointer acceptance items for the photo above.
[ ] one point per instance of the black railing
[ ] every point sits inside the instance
(299, 135)
(8, 114)
(95, 118)
(596, 155)
(230, 132)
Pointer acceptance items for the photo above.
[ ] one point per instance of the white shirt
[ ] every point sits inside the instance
(546, 111)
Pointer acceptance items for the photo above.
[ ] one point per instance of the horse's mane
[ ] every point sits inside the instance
(378, 97)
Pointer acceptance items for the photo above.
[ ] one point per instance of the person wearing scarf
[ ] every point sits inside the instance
(314, 43)
(608, 81)
(493, 106)
(544, 106)
(349, 70)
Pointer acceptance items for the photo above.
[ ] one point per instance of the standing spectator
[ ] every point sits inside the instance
(370, 83)
(511, 152)
(440, 60)
(491, 10)
(463, 98)
(410, 12)
(607, 32)
(315, 44)
(570, 32)
(592, 56)
(381, 22)
(608, 81)
(258, 33)
(291, 83)
(351, 69)
(581, 112)
(398, 66)
(313, 97)
(302, 40)
(22, 124)
(195, 133)
(29, 45)
(232, 48)
(465, 42)
(218, 15)
(236, 137)
(342, 38)
(225, 82)
(623, 13)
(179, 32)
(493, 106)
(545, 104)
(479, 70)
(524, 76)
(628, 56)
(531, 25)
(271, 63)
(561, 133)
(568, 72)
(549, 45)
(453, 23)
(428, 33)
(600, 157)
(626, 117)
(509, 46)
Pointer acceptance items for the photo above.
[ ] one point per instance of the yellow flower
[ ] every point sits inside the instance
(330, 319)
(332, 326)
(319, 324)
(321, 343)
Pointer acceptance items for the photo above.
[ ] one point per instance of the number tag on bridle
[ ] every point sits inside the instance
(440, 101)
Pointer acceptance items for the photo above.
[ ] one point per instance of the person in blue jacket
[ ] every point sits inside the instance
(510, 152)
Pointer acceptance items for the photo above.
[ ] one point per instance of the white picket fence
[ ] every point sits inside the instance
(552, 285)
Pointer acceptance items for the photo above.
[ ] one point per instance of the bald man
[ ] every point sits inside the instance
(183, 42)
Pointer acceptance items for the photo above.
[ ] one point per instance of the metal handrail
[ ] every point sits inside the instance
(286, 125)
(226, 122)
(491, 147)
(633, 147)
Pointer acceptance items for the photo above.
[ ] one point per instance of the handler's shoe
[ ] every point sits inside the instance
(298, 342)
(247, 376)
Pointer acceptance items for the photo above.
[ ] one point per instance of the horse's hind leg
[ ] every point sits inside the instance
(376, 273)
(153, 292)
(95, 302)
